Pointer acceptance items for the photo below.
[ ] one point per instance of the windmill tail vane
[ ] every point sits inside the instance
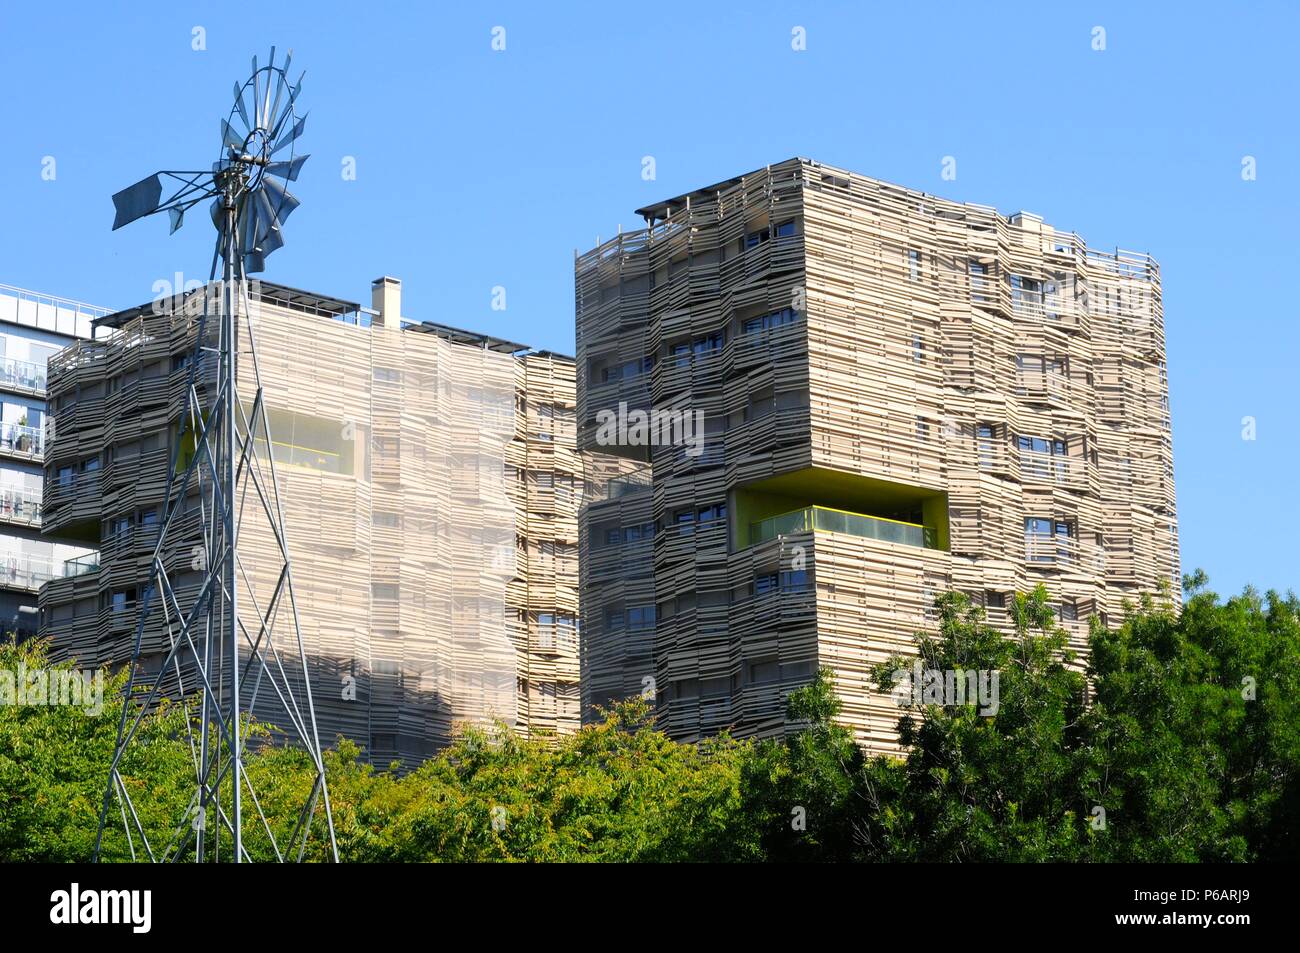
(230, 641)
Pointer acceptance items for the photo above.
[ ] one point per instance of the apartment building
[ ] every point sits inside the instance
(899, 395)
(33, 326)
(429, 480)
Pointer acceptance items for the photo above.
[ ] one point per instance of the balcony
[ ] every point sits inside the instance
(826, 520)
(21, 441)
(22, 376)
(1064, 552)
(22, 507)
(1043, 385)
(1038, 466)
(22, 571)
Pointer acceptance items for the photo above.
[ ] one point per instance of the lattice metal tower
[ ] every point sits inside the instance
(222, 645)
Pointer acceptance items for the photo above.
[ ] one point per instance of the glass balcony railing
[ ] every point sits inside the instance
(21, 439)
(23, 375)
(826, 520)
(81, 565)
(20, 506)
(27, 571)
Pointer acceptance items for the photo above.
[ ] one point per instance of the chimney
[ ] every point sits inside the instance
(386, 298)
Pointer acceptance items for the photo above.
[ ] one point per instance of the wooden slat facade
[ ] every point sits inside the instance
(867, 348)
(407, 462)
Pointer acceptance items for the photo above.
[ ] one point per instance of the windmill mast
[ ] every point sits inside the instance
(222, 649)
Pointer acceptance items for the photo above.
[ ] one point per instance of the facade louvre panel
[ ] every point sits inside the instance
(902, 395)
(407, 460)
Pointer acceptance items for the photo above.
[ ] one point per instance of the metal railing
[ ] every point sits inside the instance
(66, 304)
(22, 375)
(19, 438)
(20, 506)
(1064, 552)
(81, 565)
(30, 572)
(1052, 467)
(826, 520)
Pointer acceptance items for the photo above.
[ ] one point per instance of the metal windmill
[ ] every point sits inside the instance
(222, 645)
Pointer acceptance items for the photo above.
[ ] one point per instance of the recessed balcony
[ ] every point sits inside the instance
(827, 520)
(815, 499)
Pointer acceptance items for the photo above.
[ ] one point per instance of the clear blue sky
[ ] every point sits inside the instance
(477, 168)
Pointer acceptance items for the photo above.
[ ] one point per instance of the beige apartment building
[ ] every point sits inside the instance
(898, 395)
(430, 486)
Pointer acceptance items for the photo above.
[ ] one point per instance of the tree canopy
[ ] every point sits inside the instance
(1176, 739)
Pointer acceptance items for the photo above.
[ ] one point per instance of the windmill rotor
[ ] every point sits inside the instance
(258, 157)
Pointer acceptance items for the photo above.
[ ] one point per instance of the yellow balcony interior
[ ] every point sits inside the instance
(833, 501)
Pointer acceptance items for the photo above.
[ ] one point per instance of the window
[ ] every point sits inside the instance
(710, 514)
(765, 672)
(785, 229)
(685, 520)
(627, 371)
(918, 349)
(709, 344)
(1039, 445)
(640, 617)
(986, 445)
(1048, 540)
(770, 322)
(978, 280)
(994, 599)
(914, 264)
(120, 601)
(789, 581)
(756, 238)
(702, 347)
(922, 429)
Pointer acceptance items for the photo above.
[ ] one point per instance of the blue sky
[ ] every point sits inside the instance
(477, 168)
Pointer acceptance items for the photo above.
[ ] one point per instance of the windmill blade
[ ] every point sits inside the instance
(239, 104)
(177, 216)
(290, 136)
(282, 200)
(288, 108)
(230, 137)
(137, 201)
(264, 113)
(273, 107)
(267, 232)
(281, 84)
(256, 87)
(287, 170)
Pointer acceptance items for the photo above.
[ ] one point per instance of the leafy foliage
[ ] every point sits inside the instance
(1179, 740)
